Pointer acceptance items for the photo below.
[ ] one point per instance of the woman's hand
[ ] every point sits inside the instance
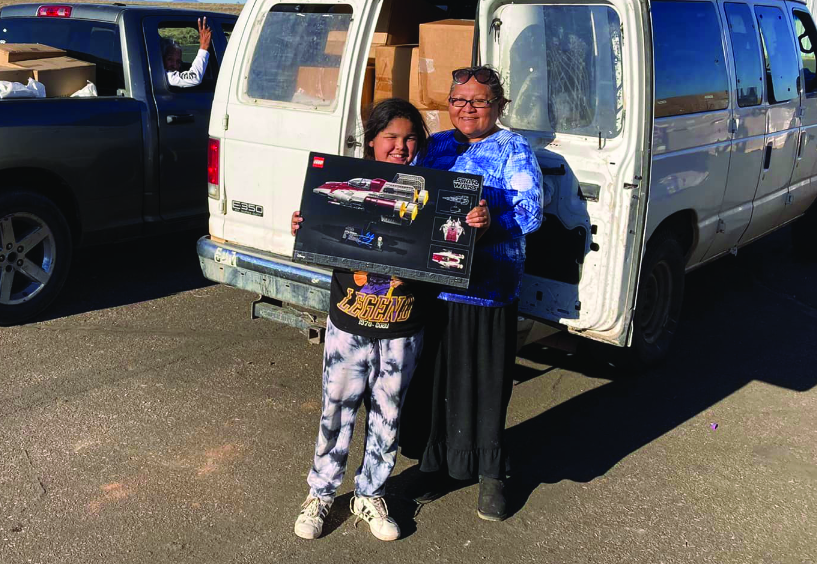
(296, 222)
(479, 217)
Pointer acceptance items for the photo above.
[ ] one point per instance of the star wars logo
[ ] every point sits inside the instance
(466, 184)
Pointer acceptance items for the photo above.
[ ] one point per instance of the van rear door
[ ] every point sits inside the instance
(296, 86)
(579, 77)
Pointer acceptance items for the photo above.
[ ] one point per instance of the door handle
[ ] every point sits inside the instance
(803, 139)
(174, 119)
(767, 157)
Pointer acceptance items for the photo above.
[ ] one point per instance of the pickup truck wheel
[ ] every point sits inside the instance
(35, 255)
(660, 297)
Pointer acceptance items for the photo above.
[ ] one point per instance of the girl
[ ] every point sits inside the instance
(372, 361)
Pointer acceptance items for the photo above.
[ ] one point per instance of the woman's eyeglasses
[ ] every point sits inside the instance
(462, 102)
(483, 75)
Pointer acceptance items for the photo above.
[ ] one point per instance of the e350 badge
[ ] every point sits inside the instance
(250, 209)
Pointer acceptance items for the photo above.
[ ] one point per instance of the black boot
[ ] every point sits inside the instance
(431, 486)
(491, 506)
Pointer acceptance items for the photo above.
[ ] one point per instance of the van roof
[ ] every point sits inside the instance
(99, 12)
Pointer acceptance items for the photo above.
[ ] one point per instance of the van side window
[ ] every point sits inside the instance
(782, 70)
(746, 49)
(298, 53)
(690, 69)
(807, 39)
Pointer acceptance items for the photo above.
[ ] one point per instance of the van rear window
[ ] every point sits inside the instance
(690, 67)
(298, 53)
(563, 68)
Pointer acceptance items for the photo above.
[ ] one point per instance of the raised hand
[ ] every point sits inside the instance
(204, 34)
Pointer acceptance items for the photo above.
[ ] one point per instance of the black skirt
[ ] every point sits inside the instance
(454, 415)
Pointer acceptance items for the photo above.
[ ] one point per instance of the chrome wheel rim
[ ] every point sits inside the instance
(27, 257)
(658, 288)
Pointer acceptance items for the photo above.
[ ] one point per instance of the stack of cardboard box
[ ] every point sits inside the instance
(421, 73)
(398, 24)
(61, 75)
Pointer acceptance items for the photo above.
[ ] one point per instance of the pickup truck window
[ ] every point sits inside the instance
(563, 68)
(94, 42)
(227, 30)
(297, 55)
(187, 36)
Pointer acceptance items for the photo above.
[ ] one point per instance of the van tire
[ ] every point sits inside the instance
(31, 278)
(804, 234)
(659, 302)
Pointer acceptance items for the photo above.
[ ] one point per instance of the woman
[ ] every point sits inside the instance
(367, 362)
(474, 351)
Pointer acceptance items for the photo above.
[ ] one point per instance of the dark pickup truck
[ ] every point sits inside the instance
(129, 163)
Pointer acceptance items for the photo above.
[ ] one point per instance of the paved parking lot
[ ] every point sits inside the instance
(147, 419)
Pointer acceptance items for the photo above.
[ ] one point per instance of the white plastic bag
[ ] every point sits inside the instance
(85, 92)
(33, 89)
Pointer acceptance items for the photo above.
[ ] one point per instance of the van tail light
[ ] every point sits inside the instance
(54, 11)
(213, 146)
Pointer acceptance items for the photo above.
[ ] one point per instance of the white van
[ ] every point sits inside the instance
(687, 129)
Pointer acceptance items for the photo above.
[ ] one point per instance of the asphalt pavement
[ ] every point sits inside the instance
(147, 419)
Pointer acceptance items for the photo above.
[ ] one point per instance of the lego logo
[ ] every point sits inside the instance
(317, 162)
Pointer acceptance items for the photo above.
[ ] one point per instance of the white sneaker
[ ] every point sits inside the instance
(310, 522)
(373, 510)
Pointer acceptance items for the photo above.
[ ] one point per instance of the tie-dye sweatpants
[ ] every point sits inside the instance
(353, 367)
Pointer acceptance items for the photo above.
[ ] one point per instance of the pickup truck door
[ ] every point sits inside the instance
(296, 88)
(184, 115)
(571, 70)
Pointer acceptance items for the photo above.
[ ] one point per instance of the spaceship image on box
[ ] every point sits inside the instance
(452, 229)
(448, 259)
(396, 203)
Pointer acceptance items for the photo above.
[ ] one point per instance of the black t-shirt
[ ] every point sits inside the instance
(375, 305)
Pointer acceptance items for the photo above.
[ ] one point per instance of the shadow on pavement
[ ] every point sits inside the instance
(126, 273)
(745, 318)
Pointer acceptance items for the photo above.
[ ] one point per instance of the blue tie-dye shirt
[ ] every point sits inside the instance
(513, 189)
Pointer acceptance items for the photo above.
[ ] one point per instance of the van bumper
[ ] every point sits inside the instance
(282, 283)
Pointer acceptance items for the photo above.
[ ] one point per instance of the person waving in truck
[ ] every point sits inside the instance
(172, 58)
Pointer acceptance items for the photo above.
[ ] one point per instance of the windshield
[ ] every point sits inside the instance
(562, 68)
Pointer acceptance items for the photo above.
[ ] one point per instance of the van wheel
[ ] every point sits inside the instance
(35, 255)
(660, 297)
(804, 234)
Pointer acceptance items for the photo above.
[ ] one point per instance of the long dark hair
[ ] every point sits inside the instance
(380, 117)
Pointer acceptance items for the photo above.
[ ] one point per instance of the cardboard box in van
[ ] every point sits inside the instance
(414, 79)
(14, 52)
(398, 24)
(437, 120)
(392, 71)
(13, 73)
(61, 76)
(367, 97)
(318, 82)
(444, 47)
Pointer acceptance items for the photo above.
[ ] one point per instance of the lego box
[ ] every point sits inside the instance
(391, 219)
